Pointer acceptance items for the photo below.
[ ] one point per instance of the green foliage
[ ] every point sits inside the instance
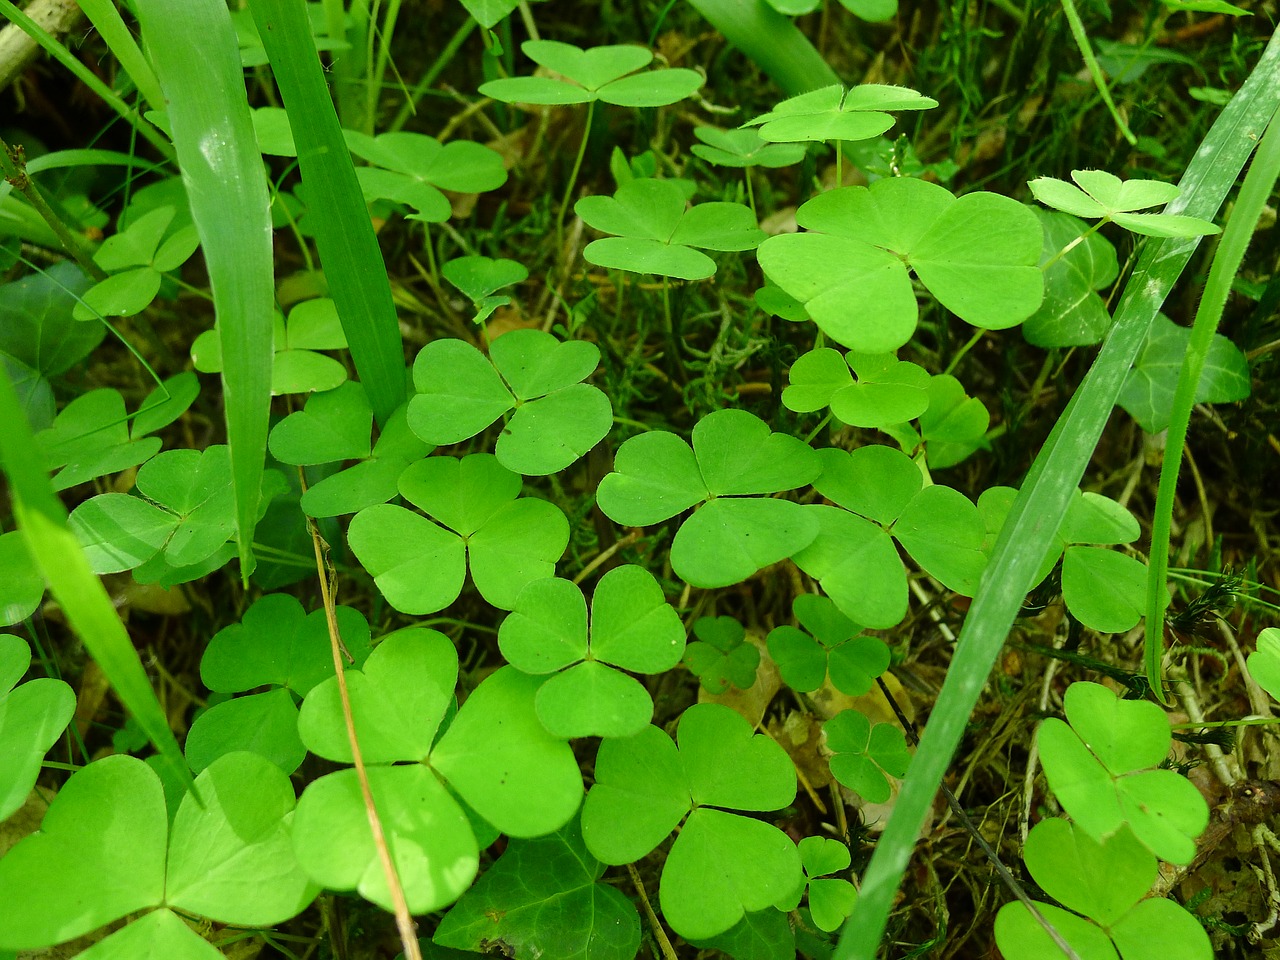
(833, 645)
(734, 459)
(1147, 394)
(743, 147)
(32, 716)
(601, 73)
(852, 268)
(1100, 769)
(101, 854)
(545, 895)
(1098, 194)
(1077, 263)
(1264, 663)
(137, 257)
(506, 540)
(722, 865)
(721, 657)
(481, 277)
(834, 113)
(632, 627)
(862, 754)
(1067, 864)
(655, 233)
(557, 418)
(495, 756)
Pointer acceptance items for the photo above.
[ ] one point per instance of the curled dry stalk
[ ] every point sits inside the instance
(404, 920)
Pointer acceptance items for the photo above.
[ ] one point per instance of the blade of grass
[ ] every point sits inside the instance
(1254, 193)
(42, 519)
(1043, 499)
(772, 41)
(337, 213)
(197, 59)
(106, 19)
(1091, 63)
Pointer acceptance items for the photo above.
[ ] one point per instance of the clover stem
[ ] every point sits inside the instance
(969, 345)
(668, 951)
(573, 176)
(751, 193)
(818, 429)
(1073, 244)
(673, 334)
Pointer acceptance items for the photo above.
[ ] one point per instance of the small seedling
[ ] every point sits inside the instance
(863, 756)
(721, 657)
(833, 644)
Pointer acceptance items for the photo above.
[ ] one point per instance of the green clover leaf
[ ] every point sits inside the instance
(1264, 663)
(1097, 194)
(480, 278)
(743, 148)
(557, 418)
(830, 900)
(507, 540)
(495, 755)
(90, 438)
(833, 643)
(413, 169)
(297, 366)
(334, 425)
(734, 455)
(21, 582)
(977, 254)
(721, 865)
(886, 391)
(654, 231)
(1099, 768)
(1066, 862)
(721, 657)
(632, 627)
(601, 73)
(32, 717)
(832, 113)
(862, 754)
(1072, 314)
(137, 256)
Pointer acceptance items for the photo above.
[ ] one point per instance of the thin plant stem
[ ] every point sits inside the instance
(573, 178)
(1095, 71)
(1255, 190)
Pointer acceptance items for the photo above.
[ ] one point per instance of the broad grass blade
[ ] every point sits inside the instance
(337, 213)
(773, 42)
(42, 520)
(1044, 496)
(196, 56)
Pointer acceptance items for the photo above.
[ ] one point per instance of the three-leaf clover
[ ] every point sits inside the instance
(834, 113)
(605, 73)
(107, 849)
(137, 257)
(831, 899)
(887, 390)
(297, 366)
(413, 169)
(734, 459)
(419, 565)
(1100, 769)
(495, 755)
(632, 627)
(1097, 194)
(977, 254)
(833, 644)
(743, 147)
(862, 754)
(656, 232)
(177, 529)
(722, 865)
(1264, 663)
(276, 645)
(557, 418)
(884, 498)
(721, 657)
(1107, 882)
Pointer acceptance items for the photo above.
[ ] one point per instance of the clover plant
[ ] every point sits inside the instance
(1073, 312)
(977, 254)
(837, 113)
(137, 257)
(655, 233)
(864, 755)
(1100, 769)
(734, 459)
(722, 865)
(494, 755)
(834, 645)
(557, 417)
(32, 716)
(1097, 194)
(1264, 662)
(632, 627)
(830, 898)
(721, 657)
(1106, 882)
(480, 278)
(482, 523)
